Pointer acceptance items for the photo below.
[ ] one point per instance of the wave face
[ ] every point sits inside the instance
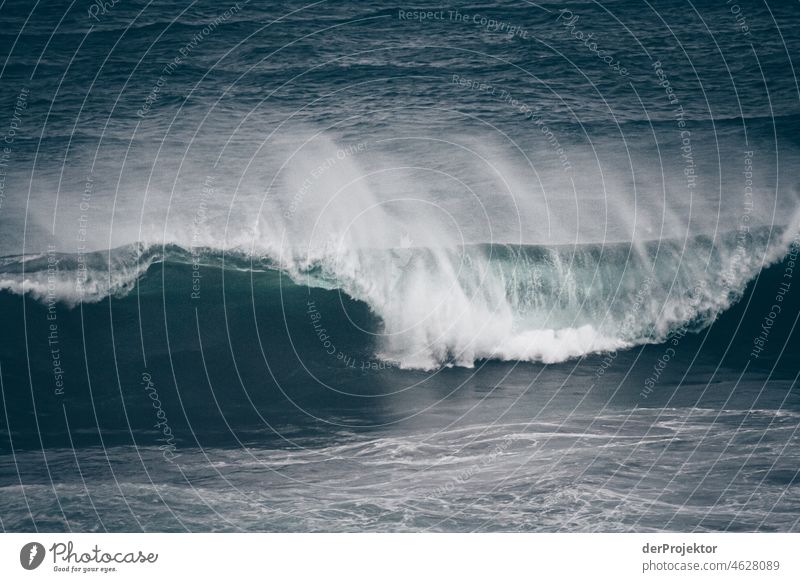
(533, 303)
(457, 305)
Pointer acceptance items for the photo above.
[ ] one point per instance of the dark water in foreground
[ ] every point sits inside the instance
(257, 442)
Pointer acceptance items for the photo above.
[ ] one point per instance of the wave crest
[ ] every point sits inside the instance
(457, 305)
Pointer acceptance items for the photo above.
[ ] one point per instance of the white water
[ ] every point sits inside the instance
(483, 260)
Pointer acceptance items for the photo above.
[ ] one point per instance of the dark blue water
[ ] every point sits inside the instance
(507, 267)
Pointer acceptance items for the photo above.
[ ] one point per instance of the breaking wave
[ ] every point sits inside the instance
(456, 305)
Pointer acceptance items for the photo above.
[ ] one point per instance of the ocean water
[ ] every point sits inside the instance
(361, 266)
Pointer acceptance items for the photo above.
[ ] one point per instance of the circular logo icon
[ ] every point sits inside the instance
(31, 555)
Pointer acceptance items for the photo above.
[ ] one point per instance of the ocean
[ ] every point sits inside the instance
(361, 266)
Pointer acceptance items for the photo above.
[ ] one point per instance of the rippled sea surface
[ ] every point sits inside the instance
(361, 266)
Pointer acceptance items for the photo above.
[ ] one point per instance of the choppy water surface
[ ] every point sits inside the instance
(361, 266)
